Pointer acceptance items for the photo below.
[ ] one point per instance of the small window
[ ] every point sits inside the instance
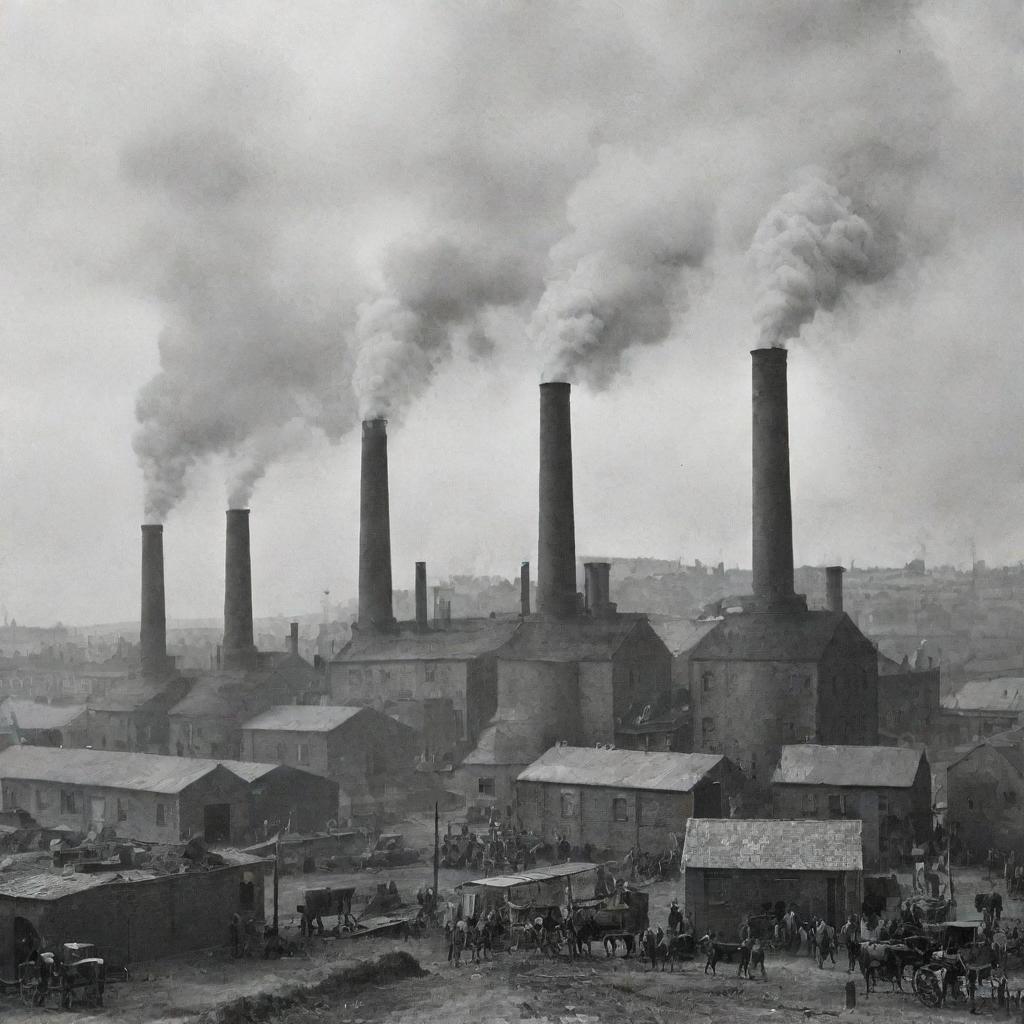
(809, 806)
(431, 673)
(302, 753)
(282, 753)
(883, 805)
(68, 801)
(620, 809)
(707, 728)
(460, 724)
(706, 681)
(717, 887)
(42, 800)
(122, 810)
(836, 805)
(970, 804)
(485, 787)
(1010, 796)
(568, 805)
(161, 818)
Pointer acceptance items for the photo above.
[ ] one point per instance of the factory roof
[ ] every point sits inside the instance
(1007, 744)
(238, 694)
(581, 639)
(28, 714)
(462, 640)
(302, 718)
(770, 845)
(47, 886)
(773, 636)
(809, 764)
(114, 769)
(1006, 694)
(682, 635)
(621, 769)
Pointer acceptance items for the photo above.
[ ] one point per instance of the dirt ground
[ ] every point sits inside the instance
(521, 987)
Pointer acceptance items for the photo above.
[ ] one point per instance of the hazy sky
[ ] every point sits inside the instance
(231, 229)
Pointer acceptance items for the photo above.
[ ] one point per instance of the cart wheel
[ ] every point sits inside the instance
(928, 986)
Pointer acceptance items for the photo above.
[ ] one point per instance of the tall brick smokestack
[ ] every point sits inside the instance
(375, 608)
(524, 589)
(834, 587)
(556, 549)
(772, 511)
(422, 623)
(153, 631)
(239, 649)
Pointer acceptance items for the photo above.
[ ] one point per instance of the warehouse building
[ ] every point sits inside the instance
(734, 868)
(616, 800)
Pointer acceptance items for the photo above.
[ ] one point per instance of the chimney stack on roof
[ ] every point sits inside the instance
(239, 649)
(153, 626)
(772, 505)
(293, 639)
(524, 590)
(834, 587)
(376, 612)
(556, 574)
(597, 589)
(422, 623)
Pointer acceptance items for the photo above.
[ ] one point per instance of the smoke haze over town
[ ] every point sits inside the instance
(228, 244)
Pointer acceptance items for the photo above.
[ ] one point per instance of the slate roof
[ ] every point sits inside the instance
(240, 694)
(464, 640)
(622, 769)
(1006, 694)
(758, 844)
(809, 764)
(771, 636)
(580, 639)
(114, 769)
(31, 715)
(302, 718)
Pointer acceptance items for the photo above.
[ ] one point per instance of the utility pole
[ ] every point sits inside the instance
(277, 862)
(437, 835)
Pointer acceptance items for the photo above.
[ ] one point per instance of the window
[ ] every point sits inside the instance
(883, 805)
(836, 805)
(68, 801)
(706, 680)
(485, 787)
(460, 724)
(161, 818)
(717, 886)
(1010, 796)
(970, 804)
(431, 673)
(568, 805)
(302, 753)
(809, 805)
(282, 753)
(790, 731)
(42, 800)
(620, 809)
(707, 729)
(122, 810)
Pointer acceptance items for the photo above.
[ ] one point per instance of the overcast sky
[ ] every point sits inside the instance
(231, 229)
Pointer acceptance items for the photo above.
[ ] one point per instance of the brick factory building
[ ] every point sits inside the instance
(889, 789)
(615, 800)
(734, 868)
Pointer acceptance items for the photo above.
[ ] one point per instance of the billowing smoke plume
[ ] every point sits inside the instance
(431, 291)
(807, 250)
(614, 280)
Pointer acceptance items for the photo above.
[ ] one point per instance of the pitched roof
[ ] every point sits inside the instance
(682, 635)
(302, 718)
(240, 694)
(504, 743)
(810, 764)
(579, 639)
(760, 844)
(1006, 694)
(47, 886)
(463, 640)
(772, 636)
(622, 769)
(115, 769)
(31, 715)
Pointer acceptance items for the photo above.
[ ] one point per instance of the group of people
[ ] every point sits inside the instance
(491, 854)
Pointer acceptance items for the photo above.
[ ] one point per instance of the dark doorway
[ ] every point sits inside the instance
(217, 823)
(707, 801)
(26, 940)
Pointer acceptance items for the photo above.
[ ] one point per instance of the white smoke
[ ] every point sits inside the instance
(807, 250)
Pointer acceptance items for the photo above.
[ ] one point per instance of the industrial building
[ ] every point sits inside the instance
(45, 725)
(908, 702)
(889, 789)
(776, 672)
(615, 800)
(734, 868)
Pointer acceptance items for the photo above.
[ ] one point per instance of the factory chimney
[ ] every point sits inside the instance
(375, 608)
(834, 587)
(421, 597)
(772, 508)
(556, 549)
(524, 589)
(597, 589)
(293, 639)
(153, 630)
(239, 650)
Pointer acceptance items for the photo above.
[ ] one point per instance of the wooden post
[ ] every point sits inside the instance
(277, 861)
(437, 834)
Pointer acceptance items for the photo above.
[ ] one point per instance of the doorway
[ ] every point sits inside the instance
(831, 900)
(217, 823)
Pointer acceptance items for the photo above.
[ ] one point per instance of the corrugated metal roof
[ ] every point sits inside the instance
(46, 886)
(32, 715)
(810, 764)
(303, 718)
(622, 769)
(464, 640)
(573, 640)
(760, 844)
(772, 636)
(536, 875)
(113, 769)
(1005, 694)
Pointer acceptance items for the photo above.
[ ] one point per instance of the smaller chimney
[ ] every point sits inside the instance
(421, 597)
(597, 589)
(153, 629)
(834, 587)
(239, 650)
(293, 640)
(524, 589)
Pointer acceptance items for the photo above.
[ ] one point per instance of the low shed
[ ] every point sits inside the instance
(616, 800)
(735, 868)
(130, 915)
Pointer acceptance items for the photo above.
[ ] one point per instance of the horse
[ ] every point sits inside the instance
(751, 956)
(612, 940)
(877, 959)
(716, 951)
